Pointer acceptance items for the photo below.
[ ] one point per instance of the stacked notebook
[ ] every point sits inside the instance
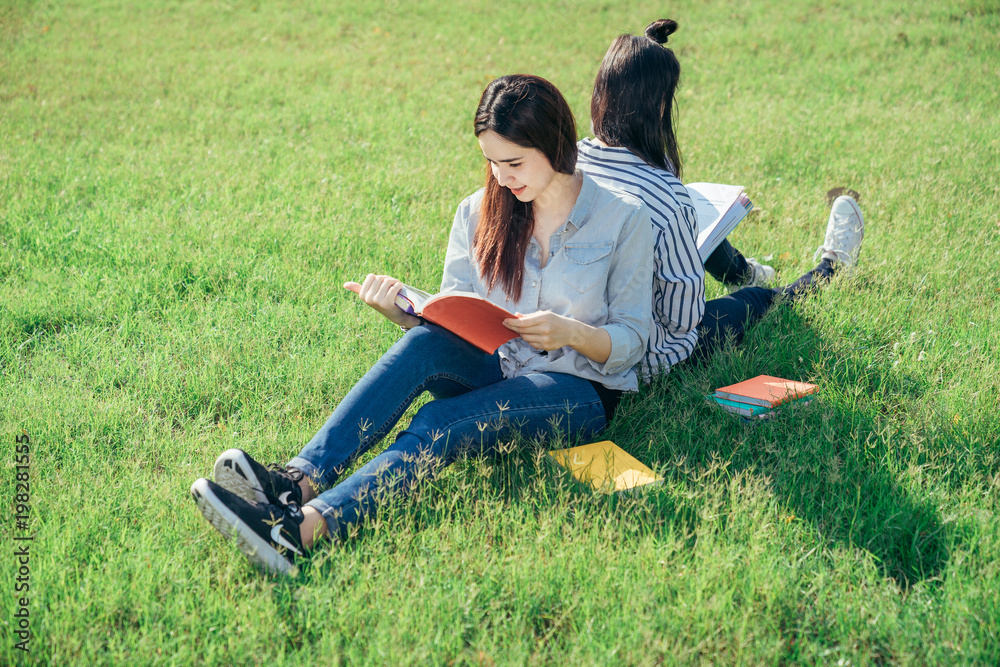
(759, 397)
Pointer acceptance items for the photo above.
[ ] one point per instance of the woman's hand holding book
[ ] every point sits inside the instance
(380, 293)
(545, 330)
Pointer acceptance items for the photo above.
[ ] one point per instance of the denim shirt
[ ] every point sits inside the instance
(599, 271)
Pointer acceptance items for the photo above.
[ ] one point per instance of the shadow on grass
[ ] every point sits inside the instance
(838, 462)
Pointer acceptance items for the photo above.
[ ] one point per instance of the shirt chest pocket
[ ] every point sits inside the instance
(587, 264)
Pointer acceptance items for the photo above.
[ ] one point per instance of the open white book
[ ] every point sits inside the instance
(720, 208)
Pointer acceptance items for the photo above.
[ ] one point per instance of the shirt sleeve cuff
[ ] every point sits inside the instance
(620, 359)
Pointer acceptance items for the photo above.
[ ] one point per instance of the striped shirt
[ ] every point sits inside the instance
(678, 272)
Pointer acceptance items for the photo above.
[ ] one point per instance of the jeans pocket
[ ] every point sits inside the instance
(588, 264)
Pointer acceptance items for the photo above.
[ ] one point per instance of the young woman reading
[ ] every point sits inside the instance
(636, 150)
(572, 260)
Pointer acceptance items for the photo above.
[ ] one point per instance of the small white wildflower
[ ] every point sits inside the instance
(921, 356)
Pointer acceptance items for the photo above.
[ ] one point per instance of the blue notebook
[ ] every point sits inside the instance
(748, 410)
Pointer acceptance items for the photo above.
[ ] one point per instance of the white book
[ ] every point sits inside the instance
(720, 208)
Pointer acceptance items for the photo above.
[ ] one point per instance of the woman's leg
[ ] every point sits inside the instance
(473, 424)
(274, 535)
(427, 358)
(727, 264)
(728, 317)
(809, 281)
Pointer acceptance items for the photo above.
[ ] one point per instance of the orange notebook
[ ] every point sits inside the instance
(605, 466)
(465, 314)
(766, 390)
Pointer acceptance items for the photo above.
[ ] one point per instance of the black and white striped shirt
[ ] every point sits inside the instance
(678, 272)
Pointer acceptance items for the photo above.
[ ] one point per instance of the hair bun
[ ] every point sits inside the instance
(658, 31)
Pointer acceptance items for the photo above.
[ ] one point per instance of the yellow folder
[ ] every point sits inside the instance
(605, 466)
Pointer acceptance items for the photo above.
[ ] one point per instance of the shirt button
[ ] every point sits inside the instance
(533, 283)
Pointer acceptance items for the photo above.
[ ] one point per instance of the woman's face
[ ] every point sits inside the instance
(525, 171)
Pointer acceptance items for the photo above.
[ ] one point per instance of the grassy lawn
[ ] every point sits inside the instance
(185, 186)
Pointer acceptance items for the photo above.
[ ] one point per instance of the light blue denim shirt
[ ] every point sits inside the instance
(599, 271)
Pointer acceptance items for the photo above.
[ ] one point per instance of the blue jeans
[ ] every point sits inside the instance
(475, 409)
(727, 265)
(727, 318)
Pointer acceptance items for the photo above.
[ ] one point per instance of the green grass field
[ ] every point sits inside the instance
(185, 186)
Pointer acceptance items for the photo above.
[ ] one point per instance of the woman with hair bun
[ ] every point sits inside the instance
(635, 149)
(542, 239)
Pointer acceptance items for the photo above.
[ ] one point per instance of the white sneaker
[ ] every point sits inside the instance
(761, 275)
(844, 232)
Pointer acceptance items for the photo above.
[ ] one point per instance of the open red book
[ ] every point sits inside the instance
(465, 314)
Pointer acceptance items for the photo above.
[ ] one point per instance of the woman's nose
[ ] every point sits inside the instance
(502, 175)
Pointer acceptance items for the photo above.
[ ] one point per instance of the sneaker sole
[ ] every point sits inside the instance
(832, 195)
(238, 477)
(226, 522)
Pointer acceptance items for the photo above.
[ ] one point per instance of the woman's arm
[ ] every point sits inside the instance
(458, 269)
(629, 291)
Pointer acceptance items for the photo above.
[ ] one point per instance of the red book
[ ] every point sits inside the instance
(766, 390)
(465, 314)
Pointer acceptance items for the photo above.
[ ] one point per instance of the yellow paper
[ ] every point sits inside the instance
(605, 466)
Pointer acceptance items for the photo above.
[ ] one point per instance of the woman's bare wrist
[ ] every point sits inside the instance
(408, 321)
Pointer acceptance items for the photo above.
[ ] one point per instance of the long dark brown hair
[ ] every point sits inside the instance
(530, 112)
(633, 101)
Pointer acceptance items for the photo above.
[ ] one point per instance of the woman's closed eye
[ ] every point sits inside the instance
(512, 165)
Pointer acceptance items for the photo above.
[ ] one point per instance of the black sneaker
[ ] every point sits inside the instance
(267, 534)
(275, 484)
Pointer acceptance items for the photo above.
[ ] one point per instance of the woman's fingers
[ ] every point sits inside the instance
(377, 291)
(374, 289)
(540, 322)
(542, 330)
(386, 286)
(368, 286)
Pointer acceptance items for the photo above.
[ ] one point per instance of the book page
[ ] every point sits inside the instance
(411, 300)
(711, 201)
